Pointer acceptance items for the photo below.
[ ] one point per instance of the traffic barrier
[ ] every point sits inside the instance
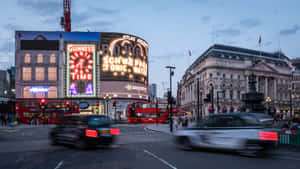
(290, 137)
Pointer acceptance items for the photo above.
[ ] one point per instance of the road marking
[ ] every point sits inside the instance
(59, 164)
(288, 158)
(160, 159)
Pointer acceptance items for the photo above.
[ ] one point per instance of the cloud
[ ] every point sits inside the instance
(250, 22)
(267, 43)
(291, 30)
(43, 7)
(205, 19)
(228, 32)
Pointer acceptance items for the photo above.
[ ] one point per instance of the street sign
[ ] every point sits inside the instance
(84, 105)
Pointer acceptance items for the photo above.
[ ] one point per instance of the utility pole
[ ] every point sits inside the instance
(170, 97)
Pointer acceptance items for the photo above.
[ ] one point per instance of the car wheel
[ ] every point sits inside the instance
(81, 144)
(251, 150)
(184, 143)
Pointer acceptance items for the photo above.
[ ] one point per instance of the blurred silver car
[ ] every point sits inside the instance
(247, 133)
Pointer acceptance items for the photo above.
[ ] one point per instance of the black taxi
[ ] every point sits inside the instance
(84, 131)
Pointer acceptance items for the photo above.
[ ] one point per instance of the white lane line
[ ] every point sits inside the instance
(160, 159)
(59, 165)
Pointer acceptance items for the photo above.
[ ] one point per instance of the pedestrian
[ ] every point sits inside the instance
(6, 119)
(46, 119)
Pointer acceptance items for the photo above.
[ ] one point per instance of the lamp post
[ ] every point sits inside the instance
(268, 100)
(212, 97)
(156, 109)
(106, 99)
(291, 101)
(198, 99)
(170, 96)
(218, 106)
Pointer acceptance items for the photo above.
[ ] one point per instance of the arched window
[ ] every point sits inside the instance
(40, 58)
(52, 58)
(27, 58)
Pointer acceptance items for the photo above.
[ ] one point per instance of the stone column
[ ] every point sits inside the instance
(275, 89)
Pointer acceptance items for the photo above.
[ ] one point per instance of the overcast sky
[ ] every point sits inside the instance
(171, 27)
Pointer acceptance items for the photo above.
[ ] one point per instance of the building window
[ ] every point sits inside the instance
(231, 76)
(27, 58)
(238, 95)
(52, 58)
(40, 58)
(26, 74)
(239, 77)
(211, 75)
(218, 73)
(27, 93)
(40, 95)
(52, 73)
(39, 73)
(52, 93)
(224, 76)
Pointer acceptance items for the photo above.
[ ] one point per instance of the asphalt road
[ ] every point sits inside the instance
(136, 148)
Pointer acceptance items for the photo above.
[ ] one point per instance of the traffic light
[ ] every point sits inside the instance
(68, 105)
(43, 104)
(114, 103)
(208, 98)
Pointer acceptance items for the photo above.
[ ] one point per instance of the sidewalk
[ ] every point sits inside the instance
(25, 126)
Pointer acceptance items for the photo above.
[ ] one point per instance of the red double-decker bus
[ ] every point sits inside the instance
(140, 112)
(54, 110)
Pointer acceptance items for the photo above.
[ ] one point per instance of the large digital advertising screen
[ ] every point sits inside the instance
(123, 58)
(122, 89)
(81, 70)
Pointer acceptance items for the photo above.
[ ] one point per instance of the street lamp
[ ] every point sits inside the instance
(198, 98)
(291, 101)
(107, 97)
(212, 97)
(218, 106)
(170, 96)
(268, 100)
(156, 109)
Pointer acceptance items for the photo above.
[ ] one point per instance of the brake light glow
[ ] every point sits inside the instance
(91, 133)
(114, 131)
(272, 136)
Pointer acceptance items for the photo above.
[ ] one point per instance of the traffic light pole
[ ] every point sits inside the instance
(170, 98)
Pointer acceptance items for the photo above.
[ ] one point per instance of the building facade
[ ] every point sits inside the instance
(296, 86)
(224, 72)
(82, 66)
(152, 92)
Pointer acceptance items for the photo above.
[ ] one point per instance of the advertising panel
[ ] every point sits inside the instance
(123, 58)
(81, 70)
(121, 89)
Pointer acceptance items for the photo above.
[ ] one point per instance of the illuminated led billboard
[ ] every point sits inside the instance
(123, 58)
(81, 73)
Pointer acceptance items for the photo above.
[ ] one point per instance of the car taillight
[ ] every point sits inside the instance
(91, 133)
(114, 131)
(272, 136)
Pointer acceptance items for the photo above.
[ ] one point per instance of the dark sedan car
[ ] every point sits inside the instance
(84, 131)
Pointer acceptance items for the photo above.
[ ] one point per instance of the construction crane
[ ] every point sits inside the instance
(65, 20)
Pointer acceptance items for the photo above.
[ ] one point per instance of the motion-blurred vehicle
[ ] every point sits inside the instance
(140, 112)
(247, 133)
(84, 131)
